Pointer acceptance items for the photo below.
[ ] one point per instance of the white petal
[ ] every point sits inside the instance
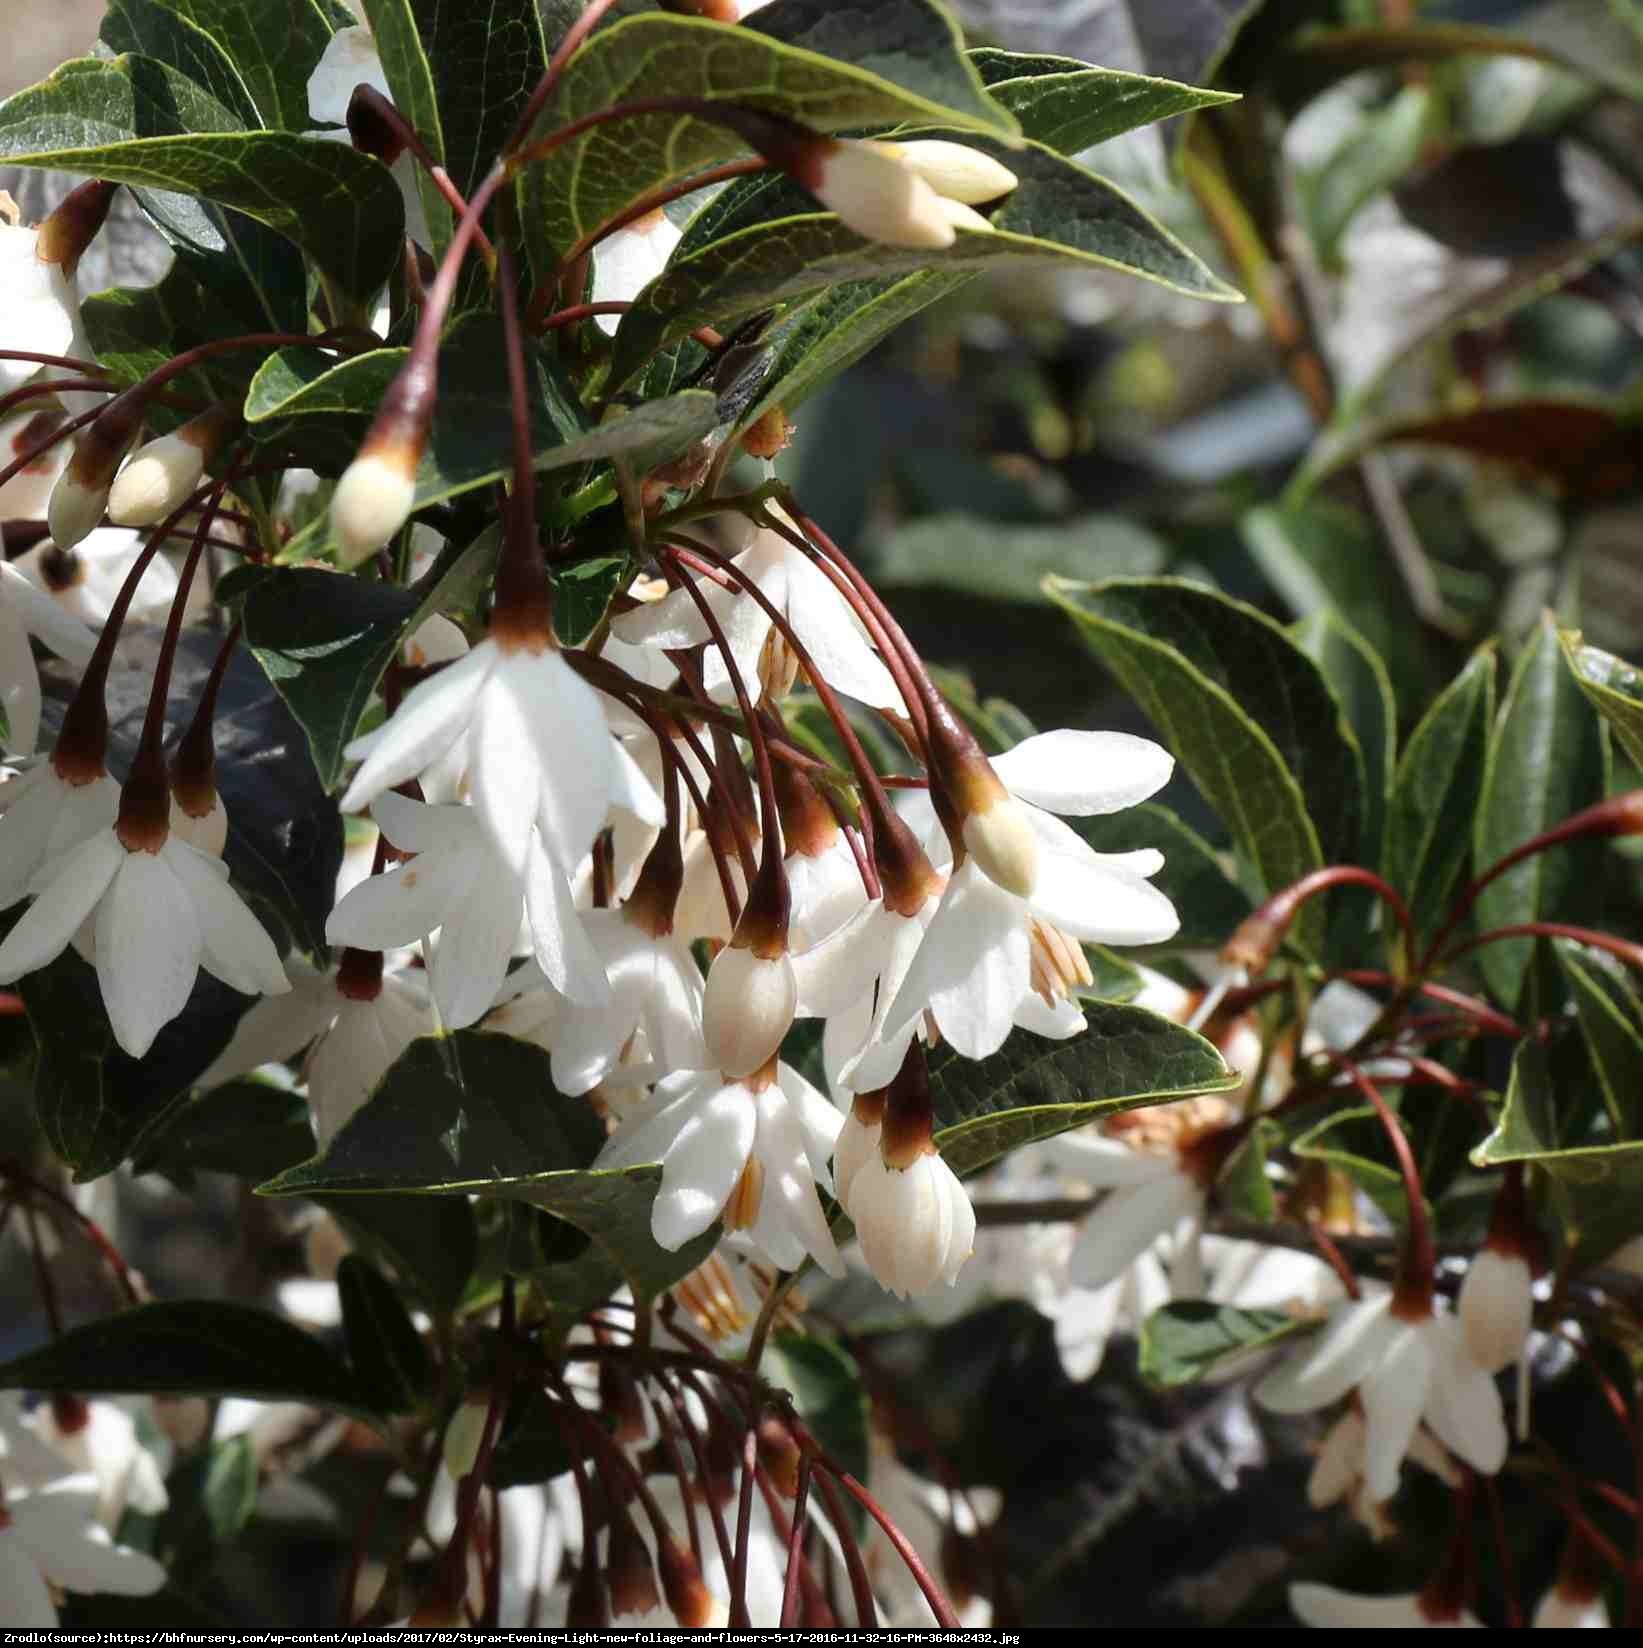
(703, 1164)
(148, 949)
(405, 904)
(416, 827)
(833, 637)
(1105, 903)
(789, 1207)
(1326, 1607)
(1126, 1224)
(975, 984)
(39, 308)
(69, 888)
(475, 942)
(1347, 1349)
(350, 57)
(19, 684)
(1463, 1405)
(577, 753)
(57, 1525)
(1496, 1307)
(563, 951)
(276, 1028)
(1394, 1395)
(1102, 1162)
(28, 1600)
(675, 621)
(233, 943)
(1083, 773)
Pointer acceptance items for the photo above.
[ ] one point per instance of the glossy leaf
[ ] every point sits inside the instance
(1071, 106)
(1058, 213)
(243, 1127)
(1613, 686)
(159, 29)
(1438, 783)
(1548, 758)
(1209, 902)
(1189, 1339)
(834, 67)
(390, 1361)
(473, 1113)
(118, 120)
(1245, 711)
(203, 1347)
(325, 640)
(1611, 1020)
(431, 1243)
(1033, 1089)
(212, 1495)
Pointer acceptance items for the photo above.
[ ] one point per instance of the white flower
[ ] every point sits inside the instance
(362, 1044)
(747, 1008)
(86, 579)
(1338, 1472)
(1496, 1307)
(24, 611)
(538, 750)
(39, 306)
(974, 968)
(912, 194)
(44, 817)
(101, 1438)
(625, 263)
(915, 1225)
(752, 1154)
(161, 915)
(460, 885)
(1404, 1369)
(1329, 1608)
(819, 616)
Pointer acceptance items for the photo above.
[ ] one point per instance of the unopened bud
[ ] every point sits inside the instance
(955, 170)
(619, 1399)
(463, 1436)
(80, 496)
(1001, 840)
(694, 1606)
(163, 473)
(747, 1009)
(964, 217)
(1496, 1307)
(373, 501)
(73, 225)
(628, 1570)
(874, 194)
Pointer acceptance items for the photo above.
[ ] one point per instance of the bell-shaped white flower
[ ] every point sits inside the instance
(625, 263)
(747, 1008)
(539, 753)
(819, 616)
(1406, 1367)
(25, 612)
(361, 1044)
(161, 913)
(1496, 1307)
(39, 305)
(1327, 1607)
(100, 1437)
(461, 886)
(915, 1225)
(85, 580)
(974, 968)
(752, 1151)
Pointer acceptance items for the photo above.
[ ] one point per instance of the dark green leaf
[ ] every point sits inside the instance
(431, 1242)
(1206, 898)
(159, 29)
(531, 1448)
(1058, 213)
(1243, 1187)
(1112, 977)
(1246, 712)
(901, 61)
(827, 1391)
(1007, 562)
(580, 595)
(1611, 1020)
(1613, 686)
(325, 639)
(477, 1113)
(200, 1347)
(1183, 1342)
(1436, 791)
(120, 120)
(1071, 106)
(1033, 1089)
(460, 72)
(211, 1495)
(1548, 758)
(247, 1128)
(390, 1360)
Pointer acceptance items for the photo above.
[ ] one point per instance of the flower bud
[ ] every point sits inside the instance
(1496, 1307)
(875, 194)
(163, 473)
(955, 170)
(694, 1606)
(463, 1436)
(747, 1008)
(585, 1608)
(779, 1454)
(80, 496)
(372, 502)
(1001, 840)
(915, 1225)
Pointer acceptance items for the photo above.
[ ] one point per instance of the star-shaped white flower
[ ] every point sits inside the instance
(160, 915)
(25, 612)
(44, 816)
(85, 580)
(818, 614)
(39, 305)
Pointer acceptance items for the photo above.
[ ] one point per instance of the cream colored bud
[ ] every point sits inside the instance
(1001, 840)
(881, 199)
(208, 832)
(1496, 1308)
(463, 1436)
(158, 478)
(964, 217)
(372, 502)
(74, 509)
(957, 171)
(747, 1008)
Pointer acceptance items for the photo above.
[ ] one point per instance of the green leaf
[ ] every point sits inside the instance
(1352, 1140)
(1611, 1020)
(478, 1114)
(212, 1494)
(1436, 791)
(1246, 712)
(581, 593)
(325, 639)
(119, 120)
(1058, 214)
(1033, 1089)
(1243, 1187)
(1613, 686)
(431, 1243)
(247, 1128)
(1071, 106)
(531, 1448)
(1007, 562)
(460, 73)
(901, 61)
(200, 1347)
(827, 1391)
(390, 1361)
(1184, 1341)
(158, 29)
(1598, 1189)
(272, 47)
(1548, 758)
(1112, 977)
(1209, 902)
(1376, 150)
